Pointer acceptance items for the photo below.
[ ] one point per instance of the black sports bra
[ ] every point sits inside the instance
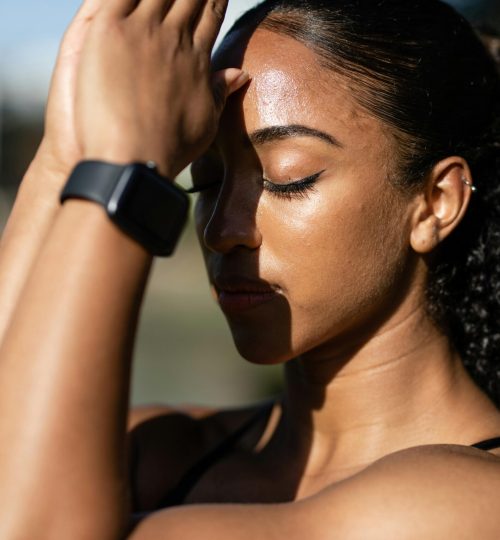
(488, 444)
(177, 496)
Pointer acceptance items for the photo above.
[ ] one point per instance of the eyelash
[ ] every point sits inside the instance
(295, 189)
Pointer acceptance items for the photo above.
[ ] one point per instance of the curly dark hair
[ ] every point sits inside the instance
(420, 68)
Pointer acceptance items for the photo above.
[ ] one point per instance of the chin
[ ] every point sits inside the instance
(262, 349)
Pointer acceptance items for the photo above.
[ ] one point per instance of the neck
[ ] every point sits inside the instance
(405, 386)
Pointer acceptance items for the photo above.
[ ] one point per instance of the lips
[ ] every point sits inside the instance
(236, 294)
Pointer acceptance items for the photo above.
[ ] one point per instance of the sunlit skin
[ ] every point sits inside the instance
(372, 374)
(303, 244)
(325, 276)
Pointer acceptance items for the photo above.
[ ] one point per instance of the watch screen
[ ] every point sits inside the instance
(151, 208)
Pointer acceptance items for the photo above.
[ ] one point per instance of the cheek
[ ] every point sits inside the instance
(337, 258)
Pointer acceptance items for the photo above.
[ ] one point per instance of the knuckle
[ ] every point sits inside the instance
(105, 25)
(176, 40)
(143, 30)
(203, 64)
(173, 35)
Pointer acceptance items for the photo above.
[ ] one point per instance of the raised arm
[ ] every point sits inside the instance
(37, 200)
(144, 92)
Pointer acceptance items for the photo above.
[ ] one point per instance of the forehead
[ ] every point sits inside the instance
(290, 86)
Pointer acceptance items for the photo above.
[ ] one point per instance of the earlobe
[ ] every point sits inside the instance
(443, 204)
(424, 235)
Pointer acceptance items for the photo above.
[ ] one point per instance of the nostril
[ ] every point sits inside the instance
(222, 234)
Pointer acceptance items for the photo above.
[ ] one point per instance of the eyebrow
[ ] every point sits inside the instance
(276, 133)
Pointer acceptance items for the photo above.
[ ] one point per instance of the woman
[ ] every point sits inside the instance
(349, 221)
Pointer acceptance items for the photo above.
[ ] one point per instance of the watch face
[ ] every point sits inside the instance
(149, 208)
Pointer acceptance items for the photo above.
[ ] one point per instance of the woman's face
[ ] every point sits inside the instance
(300, 267)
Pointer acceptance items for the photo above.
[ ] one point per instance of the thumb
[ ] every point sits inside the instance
(227, 81)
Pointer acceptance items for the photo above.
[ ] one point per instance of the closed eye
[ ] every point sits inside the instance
(296, 189)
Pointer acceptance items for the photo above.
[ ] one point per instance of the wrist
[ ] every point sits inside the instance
(40, 189)
(46, 173)
(125, 158)
(123, 154)
(59, 160)
(141, 202)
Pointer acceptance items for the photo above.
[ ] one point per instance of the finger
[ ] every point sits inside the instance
(154, 9)
(210, 23)
(118, 8)
(184, 13)
(226, 82)
(88, 9)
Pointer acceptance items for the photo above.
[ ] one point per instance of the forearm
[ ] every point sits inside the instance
(38, 199)
(31, 218)
(64, 377)
(72, 307)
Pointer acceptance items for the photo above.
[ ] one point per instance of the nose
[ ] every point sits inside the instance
(232, 221)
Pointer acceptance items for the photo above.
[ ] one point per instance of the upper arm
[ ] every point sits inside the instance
(223, 522)
(438, 494)
(163, 443)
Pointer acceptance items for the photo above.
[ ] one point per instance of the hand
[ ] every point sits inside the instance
(145, 90)
(60, 150)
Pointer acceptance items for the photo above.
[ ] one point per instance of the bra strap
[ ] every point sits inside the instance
(488, 444)
(177, 495)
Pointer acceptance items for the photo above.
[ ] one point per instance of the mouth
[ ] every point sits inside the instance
(238, 294)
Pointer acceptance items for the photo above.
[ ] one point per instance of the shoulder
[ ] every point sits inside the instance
(167, 441)
(441, 491)
(437, 492)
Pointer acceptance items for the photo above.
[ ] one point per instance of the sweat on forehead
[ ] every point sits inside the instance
(289, 88)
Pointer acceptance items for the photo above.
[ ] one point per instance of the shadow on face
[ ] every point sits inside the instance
(304, 239)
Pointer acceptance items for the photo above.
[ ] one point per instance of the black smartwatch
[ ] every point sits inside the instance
(145, 205)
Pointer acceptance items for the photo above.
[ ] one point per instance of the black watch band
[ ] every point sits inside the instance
(145, 205)
(93, 180)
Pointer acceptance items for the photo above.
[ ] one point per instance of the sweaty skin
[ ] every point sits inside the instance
(328, 278)
(277, 95)
(350, 304)
(303, 245)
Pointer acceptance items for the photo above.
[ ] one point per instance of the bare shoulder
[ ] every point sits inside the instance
(432, 492)
(438, 491)
(165, 441)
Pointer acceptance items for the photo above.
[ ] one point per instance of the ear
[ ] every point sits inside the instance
(442, 206)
